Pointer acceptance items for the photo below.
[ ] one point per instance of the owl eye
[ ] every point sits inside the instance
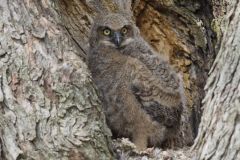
(106, 32)
(124, 30)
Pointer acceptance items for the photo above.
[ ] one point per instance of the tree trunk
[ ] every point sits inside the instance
(49, 108)
(219, 131)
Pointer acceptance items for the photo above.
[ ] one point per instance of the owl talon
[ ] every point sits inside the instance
(147, 151)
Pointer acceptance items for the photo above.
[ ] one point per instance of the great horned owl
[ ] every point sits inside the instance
(140, 92)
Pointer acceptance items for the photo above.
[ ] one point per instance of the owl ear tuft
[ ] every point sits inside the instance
(97, 6)
(124, 5)
(106, 6)
(127, 5)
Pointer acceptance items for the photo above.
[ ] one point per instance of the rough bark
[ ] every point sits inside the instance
(49, 108)
(219, 131)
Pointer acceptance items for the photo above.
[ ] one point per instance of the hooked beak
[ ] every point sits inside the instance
(117, 39)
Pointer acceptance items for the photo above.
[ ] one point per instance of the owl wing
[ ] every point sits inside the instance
(153, 62)
(157, 93)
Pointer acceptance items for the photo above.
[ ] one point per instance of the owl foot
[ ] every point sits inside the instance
(140, 142)
(147, 151)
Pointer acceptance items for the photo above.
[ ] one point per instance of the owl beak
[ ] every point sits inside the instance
(117, 39)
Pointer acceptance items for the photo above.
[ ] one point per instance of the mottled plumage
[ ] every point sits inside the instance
(141, 93)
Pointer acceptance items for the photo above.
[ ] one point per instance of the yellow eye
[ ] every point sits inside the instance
(107, 32)
(124, 30)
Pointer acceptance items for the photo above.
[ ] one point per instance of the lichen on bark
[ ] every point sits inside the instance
(49, 107)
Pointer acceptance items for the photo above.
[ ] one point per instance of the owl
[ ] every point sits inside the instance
(141, 93)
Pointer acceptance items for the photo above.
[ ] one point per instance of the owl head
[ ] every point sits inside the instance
(115, 30)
